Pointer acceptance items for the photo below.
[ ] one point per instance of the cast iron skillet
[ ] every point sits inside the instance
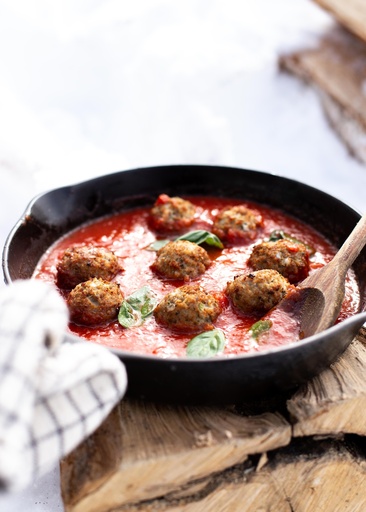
(193, 381)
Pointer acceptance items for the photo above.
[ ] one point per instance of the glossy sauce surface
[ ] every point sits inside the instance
(128, 235)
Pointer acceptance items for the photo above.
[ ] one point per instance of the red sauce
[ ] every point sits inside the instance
(128, 234)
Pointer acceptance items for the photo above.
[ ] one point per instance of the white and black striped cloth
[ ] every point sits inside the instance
(53, 393)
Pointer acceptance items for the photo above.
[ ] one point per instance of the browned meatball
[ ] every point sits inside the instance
(237, 223)
(172, 213)
(289, 258)
(188, 308)
(94, 302)
(181, 259)
(257, 292)
(79, 264)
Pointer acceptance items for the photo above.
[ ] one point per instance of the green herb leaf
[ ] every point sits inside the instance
(158, 244)
(260, 327)
(200, 237)
(138, 306)
(278, 234)
(127, 316)
(197, 237)
(206, 344)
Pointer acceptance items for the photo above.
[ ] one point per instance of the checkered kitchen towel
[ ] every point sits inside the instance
(53, 393)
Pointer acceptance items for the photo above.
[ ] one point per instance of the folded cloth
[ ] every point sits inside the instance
(53, 392)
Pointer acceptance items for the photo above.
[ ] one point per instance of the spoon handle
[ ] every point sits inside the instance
(352, 246)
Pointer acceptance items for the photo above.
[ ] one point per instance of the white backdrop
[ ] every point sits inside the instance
(95, 86)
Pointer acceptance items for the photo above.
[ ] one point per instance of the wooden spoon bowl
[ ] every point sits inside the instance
(322, 292)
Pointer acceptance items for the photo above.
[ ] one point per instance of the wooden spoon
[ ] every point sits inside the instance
(321, 294)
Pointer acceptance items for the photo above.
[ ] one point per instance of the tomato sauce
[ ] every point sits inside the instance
(128, 235)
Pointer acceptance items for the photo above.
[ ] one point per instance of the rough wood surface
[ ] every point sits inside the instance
(329, 478)
(163, 448)
(336, 69)
(327, 475)
(335, 401)
(350, 13)
(158, 457)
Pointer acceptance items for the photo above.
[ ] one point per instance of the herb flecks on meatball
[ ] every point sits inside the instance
(237, 223)
(291, 259)
(182, 260)
(257, 292)
(172, 213)
(94, 302)
(188, 308)
(79, 264)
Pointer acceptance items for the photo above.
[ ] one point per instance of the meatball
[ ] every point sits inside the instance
(79, 264)
(181, 259)
(237, 223)
(291, 259)
(188, 308)
(94, 302)
(172, 213)
(257, 292)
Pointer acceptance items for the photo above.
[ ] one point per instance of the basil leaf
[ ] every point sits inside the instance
(200, 236)
(127, 316)
(206, 344)
(260, 327)
(138, 306)
(278, 234)
(158, 244)
(143, 301)
(197, 237)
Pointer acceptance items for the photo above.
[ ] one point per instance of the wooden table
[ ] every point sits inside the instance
(300, 453)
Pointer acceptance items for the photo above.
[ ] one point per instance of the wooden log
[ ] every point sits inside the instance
(328, 475)
(336, 69)
(159, 457)
(335, 401)
(349, 13)
(160, 449)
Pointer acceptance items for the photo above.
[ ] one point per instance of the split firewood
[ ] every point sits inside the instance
(350, 13)
(327, 475)
(334, 402)
(152, 457)
(336, 69)
(144, 450)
